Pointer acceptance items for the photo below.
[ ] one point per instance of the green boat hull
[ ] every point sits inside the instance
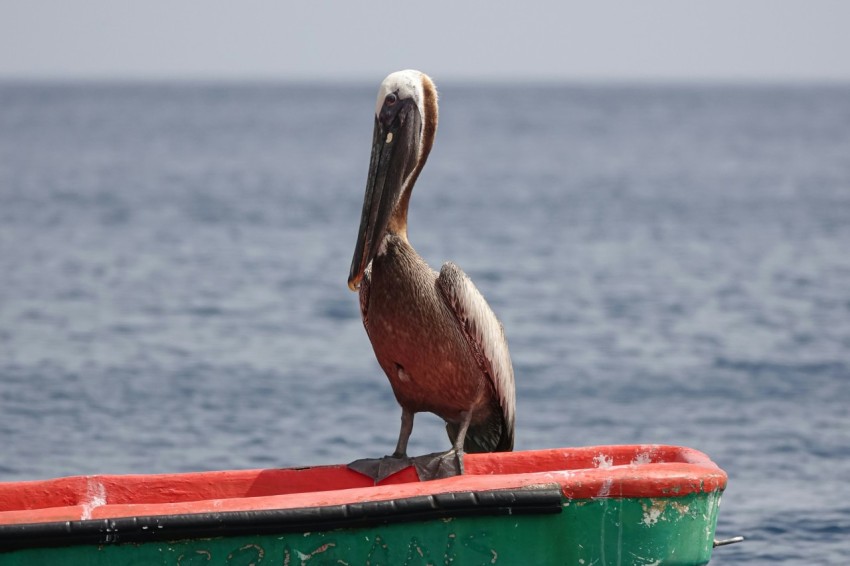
(624, 505)
(636, 531)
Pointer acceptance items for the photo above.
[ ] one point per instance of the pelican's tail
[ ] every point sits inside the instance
(489, 436)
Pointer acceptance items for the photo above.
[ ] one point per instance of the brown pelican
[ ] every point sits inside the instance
(436, 338)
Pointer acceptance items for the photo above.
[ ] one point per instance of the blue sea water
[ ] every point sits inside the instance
(671, 264)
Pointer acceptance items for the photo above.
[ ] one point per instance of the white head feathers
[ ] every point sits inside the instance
(405, 84)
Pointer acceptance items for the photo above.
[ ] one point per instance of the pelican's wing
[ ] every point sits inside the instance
(486, 338)
(363, 294)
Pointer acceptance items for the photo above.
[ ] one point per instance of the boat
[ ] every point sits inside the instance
(596, 505)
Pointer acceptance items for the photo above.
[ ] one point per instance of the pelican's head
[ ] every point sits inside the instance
(405, 124)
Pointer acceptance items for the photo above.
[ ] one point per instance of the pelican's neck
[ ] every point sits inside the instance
(398, 220)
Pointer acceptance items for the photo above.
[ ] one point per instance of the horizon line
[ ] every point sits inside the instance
(451, 79)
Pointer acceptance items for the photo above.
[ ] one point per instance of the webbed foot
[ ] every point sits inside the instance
(439, 465)
(380, 468)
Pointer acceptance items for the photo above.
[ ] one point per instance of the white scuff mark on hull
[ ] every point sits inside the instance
(605, 489)
(642, 459)
(681, 508)
(711, 509)
(653, 512)
(650, 516)
(95, 497)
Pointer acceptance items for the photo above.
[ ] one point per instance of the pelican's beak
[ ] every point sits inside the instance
(395, 151)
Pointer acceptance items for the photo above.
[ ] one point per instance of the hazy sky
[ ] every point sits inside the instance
(634, 39)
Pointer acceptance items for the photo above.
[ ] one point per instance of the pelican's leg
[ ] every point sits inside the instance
(404, 434)
(380, 468)
(444, 464)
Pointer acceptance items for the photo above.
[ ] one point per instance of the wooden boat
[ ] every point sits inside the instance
(642, 504)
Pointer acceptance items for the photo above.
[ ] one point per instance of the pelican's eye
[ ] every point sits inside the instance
(391, 99)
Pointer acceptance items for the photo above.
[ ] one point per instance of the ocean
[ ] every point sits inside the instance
(671, 264)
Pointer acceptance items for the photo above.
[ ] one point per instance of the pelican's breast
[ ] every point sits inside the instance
(416, 339)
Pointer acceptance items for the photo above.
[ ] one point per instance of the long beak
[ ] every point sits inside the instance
(395, 147)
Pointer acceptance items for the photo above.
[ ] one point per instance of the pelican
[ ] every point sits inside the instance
(434, 335)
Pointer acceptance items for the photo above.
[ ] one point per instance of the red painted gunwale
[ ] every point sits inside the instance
(582, 473)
